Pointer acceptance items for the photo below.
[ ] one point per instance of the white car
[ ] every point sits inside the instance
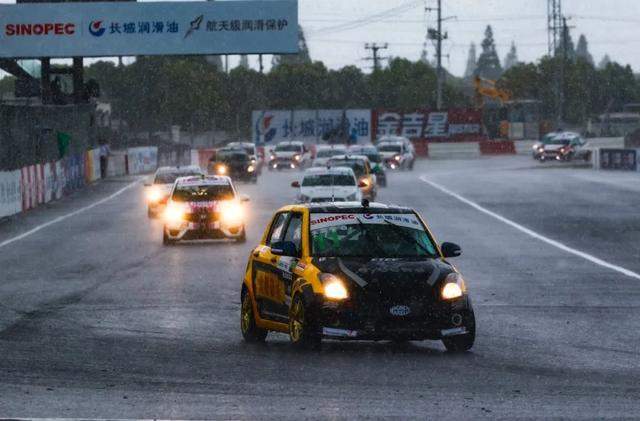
(158, 190)
(397, 152)
(566, 146)
(290, 154)
(326, 152)
(321, 184)
(204, 207)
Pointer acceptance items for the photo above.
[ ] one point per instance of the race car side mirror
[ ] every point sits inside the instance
(450, 250)
(295, 184)
(244, 198)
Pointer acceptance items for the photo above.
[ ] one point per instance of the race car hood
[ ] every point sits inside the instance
(554, 147)
(283, 154)
(196, 207)
(388, 155)
(328, 191)
(386, 274)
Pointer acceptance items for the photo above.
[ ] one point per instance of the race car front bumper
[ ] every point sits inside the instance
(206, 230)
(433, 321)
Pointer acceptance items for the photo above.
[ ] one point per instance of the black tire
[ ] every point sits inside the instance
(250, 332)
(243, 236)
(166, 240)
(462, 343)
(303, 331)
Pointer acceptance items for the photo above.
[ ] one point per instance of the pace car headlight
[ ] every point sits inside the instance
(297, 157)
(334, 288)
(154, 194)
(221, 169)
(174, 213)
(397, 158)
(454, 287)
(231, 213)
(250, 168)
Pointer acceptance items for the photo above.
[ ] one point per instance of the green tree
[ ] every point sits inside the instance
(488, 62)
(511, 59)
(582, 49)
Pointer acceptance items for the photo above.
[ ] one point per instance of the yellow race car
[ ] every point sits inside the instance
(354, 270)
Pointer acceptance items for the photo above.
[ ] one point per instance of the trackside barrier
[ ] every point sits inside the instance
(620, 159)
(461, 150)
(497, 147)
(117, 164)
(142, 160)
(10, 193)
(28, 186)
(73, 168)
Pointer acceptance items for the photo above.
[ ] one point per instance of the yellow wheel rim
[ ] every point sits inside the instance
(246, 316)
(296, 322)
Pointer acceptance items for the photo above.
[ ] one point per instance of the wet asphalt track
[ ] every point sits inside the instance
(99, 320)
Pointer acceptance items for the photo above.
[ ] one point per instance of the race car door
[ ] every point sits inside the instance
(287, 262)
(267, 283)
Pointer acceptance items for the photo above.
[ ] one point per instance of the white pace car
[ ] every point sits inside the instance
(204, 207)
(321, 184)
(157, 192)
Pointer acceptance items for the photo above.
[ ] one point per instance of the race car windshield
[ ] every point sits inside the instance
(328, 153)
(203, 193)
(365, 235)
(559, 142)
(356, 166)
(390, 148)
(170, 177)
(328, 180)
(288, 148)
(232, 156)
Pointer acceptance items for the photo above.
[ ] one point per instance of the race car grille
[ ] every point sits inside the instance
(201, 217)
(378, 301)
(327, 199)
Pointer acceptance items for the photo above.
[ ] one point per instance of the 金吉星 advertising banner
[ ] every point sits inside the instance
(153, 28)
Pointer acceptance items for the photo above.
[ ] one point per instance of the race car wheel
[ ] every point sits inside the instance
(166, 240)
(243, 236)
(250, 332)
(461, 343)
(302, 332)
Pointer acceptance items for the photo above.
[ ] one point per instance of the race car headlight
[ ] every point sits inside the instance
(454, 287)
(154, 194)
(250, 168)
(231, 213)
(174, 213)
(297, 157)
(397, 158)
(334, 288)
(221, 169)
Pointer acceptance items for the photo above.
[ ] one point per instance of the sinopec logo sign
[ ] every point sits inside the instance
(38, 29)
(96, 29)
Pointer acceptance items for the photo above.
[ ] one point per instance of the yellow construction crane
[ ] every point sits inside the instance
(488, 88)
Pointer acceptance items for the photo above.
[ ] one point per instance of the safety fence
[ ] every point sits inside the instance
(34, 185)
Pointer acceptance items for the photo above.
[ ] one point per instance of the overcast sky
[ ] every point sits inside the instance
(611, 27)
(337, 30)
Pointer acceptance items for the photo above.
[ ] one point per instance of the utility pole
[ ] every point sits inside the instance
(374, 53)
(260, 61)
(438, 37)
(557, 42)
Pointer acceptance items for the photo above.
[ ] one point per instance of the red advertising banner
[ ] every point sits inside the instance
(452, 125)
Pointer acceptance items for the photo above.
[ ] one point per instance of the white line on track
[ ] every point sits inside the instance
(68, 215)
(531, 233)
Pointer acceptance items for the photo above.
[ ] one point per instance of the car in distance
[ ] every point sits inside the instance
(326, 152)
(375, 159)
(157, 192)
(397, 152)
(234, 163)
(252, 151)
(566, 146)
(362, 169)
(354, 271)
(332, 184)
(289, 154)
(204, 207)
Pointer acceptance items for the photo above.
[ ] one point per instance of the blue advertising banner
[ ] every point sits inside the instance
(149, 28)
